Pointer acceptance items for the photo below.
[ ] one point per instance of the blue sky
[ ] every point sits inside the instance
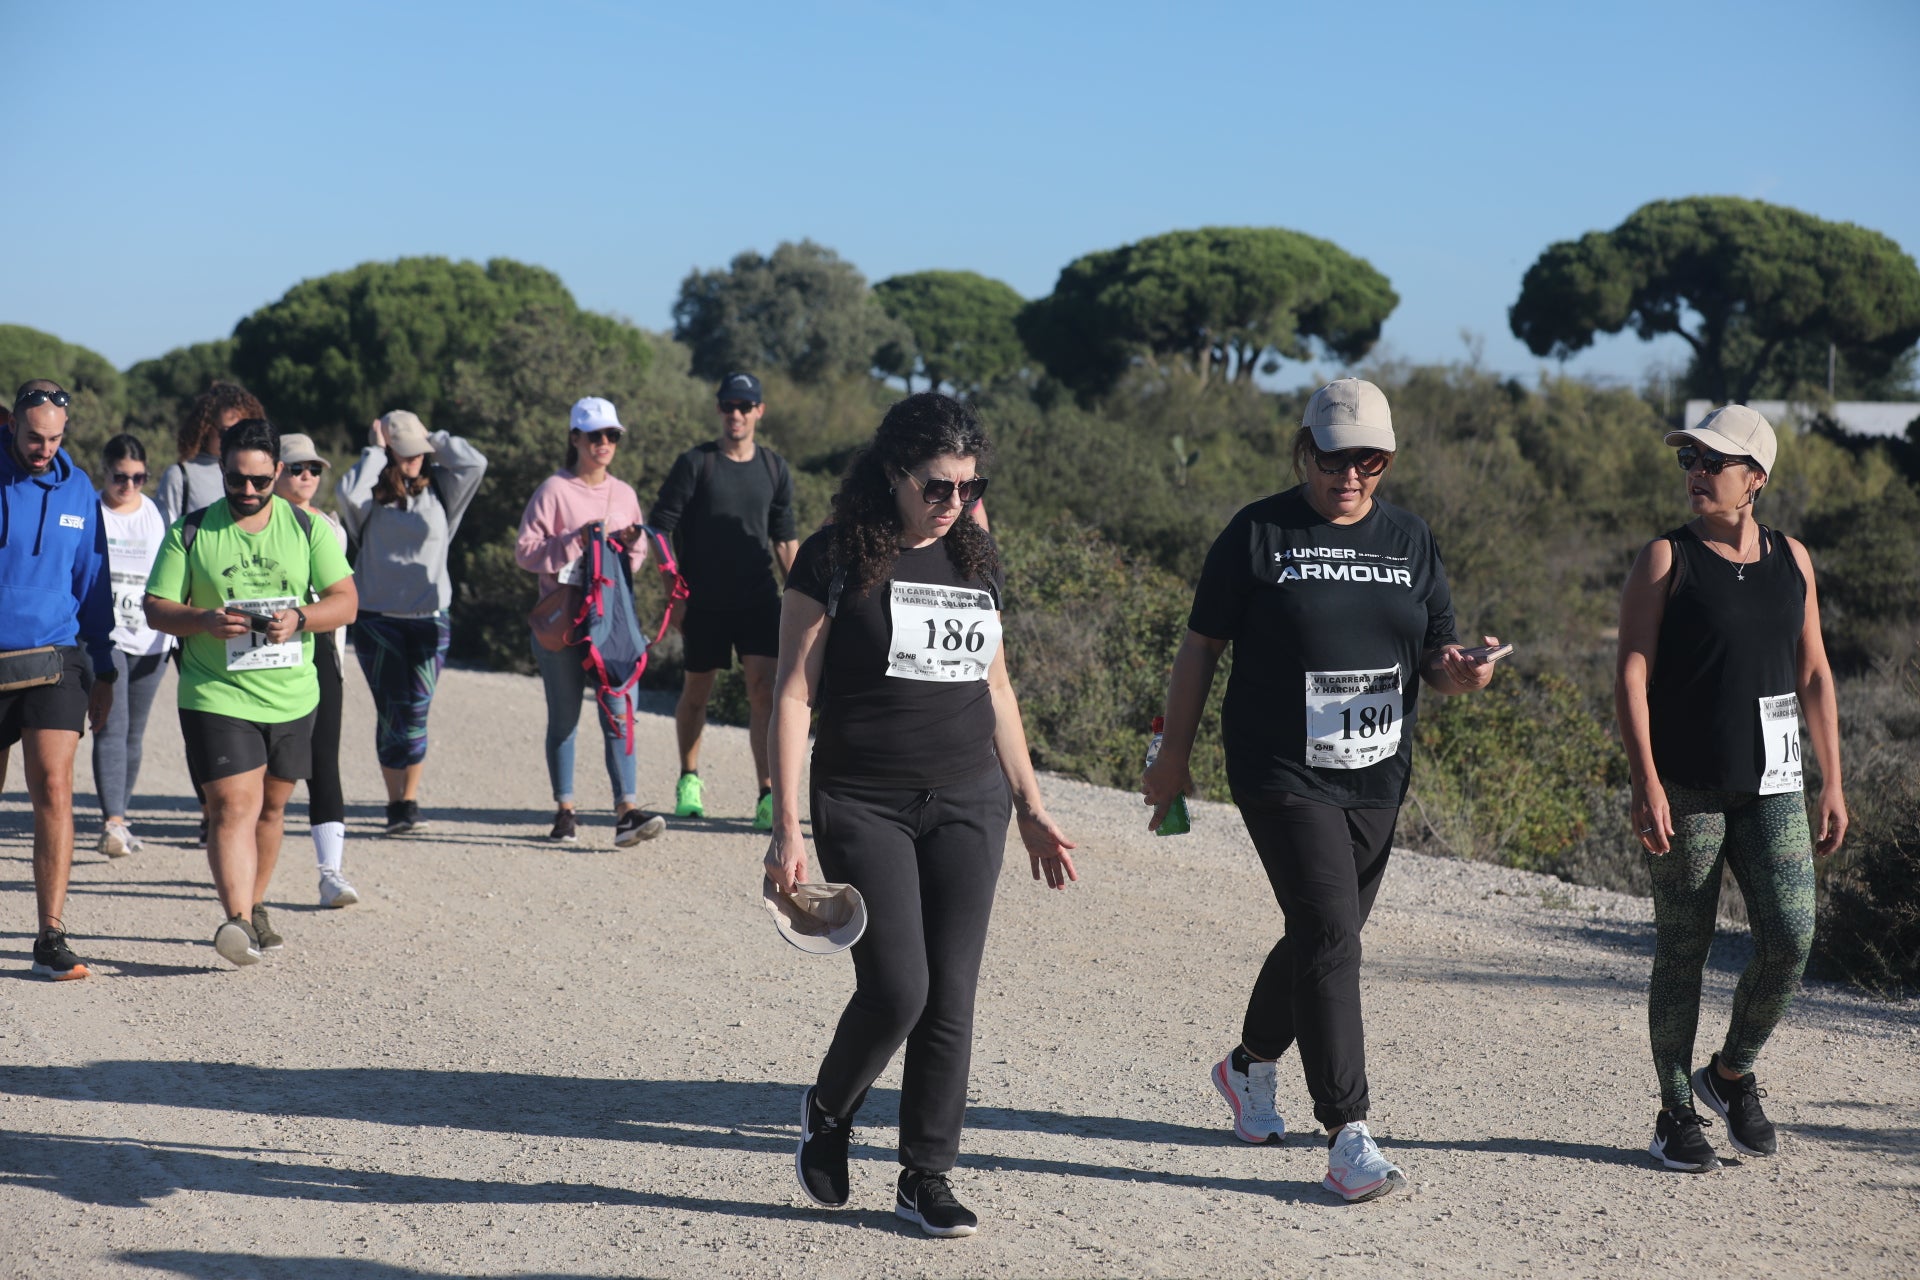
(172, 167)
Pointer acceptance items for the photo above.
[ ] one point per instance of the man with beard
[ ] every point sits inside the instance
(231, 580)
(54, 593)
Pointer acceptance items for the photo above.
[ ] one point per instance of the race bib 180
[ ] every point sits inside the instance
(1780, 733)
(942, 633)
(1353, 717)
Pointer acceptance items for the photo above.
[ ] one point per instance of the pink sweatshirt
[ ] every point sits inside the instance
(559, 509)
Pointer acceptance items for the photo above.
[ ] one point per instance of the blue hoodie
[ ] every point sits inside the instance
(54, 584)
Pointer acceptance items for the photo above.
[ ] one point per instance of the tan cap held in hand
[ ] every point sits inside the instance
(820, 919)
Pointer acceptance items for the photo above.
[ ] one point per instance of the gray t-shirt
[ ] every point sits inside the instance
(401, 567)
(188, 486)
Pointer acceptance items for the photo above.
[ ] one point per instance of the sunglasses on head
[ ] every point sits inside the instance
(936, 492)
(129, 477)
(237, 481)
(305, 468)
(1368, 462)
(606, 435)
(1711, 461)
(34, 399)
(739, 406)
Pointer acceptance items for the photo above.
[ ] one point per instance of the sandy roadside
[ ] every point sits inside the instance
(515, 1061)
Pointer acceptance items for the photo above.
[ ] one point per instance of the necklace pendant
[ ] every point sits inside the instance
(1740, 573)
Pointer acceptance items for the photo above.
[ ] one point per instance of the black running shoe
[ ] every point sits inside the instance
(1680, 1142)
(636, 825)
(403, 816)
(821, 1160)
(53, 958)
(564, 826)
(263, 930)
(1738, 1103)
(926, 1200)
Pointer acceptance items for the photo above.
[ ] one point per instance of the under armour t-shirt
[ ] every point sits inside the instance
(263, 572)
(903, 697)
(1328, 624)
(723, 514)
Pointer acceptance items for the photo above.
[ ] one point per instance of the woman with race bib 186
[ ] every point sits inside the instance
(1338, 609)
(1720, 655)
(890, 629)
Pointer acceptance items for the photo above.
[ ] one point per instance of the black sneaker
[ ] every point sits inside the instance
(1738, 1103)
(564, 827)
(926, 1200)
(636, 825)
(403, 816)
(263, 930)
(821, 1159)
(1680, 1142)
(53, 958)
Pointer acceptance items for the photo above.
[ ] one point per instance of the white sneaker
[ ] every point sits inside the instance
(116, 841)
(1356, 1170)
(1253, 1095)
(335, 891)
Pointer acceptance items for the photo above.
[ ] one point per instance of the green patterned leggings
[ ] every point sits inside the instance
(1766, 841)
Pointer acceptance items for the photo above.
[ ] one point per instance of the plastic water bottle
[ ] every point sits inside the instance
(1177, 822)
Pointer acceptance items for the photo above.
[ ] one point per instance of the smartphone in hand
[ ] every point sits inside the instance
(1487, 653)
(255, 621)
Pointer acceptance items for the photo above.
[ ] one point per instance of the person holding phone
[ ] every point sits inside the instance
(1720, 658)
(245, 582)
(1338, 608)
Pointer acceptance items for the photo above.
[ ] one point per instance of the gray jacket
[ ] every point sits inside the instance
(401, 566)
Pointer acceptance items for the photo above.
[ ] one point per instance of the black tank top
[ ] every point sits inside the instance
(1730, 636)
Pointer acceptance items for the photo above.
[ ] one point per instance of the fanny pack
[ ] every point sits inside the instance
(30, 668)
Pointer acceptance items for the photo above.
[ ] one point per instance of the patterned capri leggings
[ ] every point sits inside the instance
(401, 658)
(1767, 843)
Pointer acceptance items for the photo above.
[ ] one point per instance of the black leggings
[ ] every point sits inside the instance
(927, 863)
(1325, 864)
(325, 800)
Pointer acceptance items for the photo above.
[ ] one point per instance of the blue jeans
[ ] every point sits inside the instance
(566, 682)
(116, 748)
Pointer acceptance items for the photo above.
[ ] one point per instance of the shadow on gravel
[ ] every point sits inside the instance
(1903, 1144)
(185, 1262)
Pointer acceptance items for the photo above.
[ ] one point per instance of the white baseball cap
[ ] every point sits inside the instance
(591, 413)
(1349, 413)
(818, 918)
(1735, 430)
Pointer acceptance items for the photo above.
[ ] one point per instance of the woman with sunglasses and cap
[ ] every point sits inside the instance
(301, 467)
(134, 532)
(554, 531)
(401, 504)
(1338, 608)
(890, 630)
(1720, 658)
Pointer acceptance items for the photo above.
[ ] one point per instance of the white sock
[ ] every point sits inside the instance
(329, 843)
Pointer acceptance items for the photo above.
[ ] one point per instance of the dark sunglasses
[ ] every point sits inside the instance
(122, 477)
(1708, 460)
(305, 468)
(239, 480)
(602, 436)
(739, 406)
(936, 492)
(1368, 462)
(34, 399)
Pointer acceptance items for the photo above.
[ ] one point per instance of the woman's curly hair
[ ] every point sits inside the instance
(866, 521)
(200, 430)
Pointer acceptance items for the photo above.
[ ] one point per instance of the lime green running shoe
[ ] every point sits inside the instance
(763, 813)
(689, 798)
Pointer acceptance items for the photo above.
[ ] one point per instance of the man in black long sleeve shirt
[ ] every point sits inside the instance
(729, 503)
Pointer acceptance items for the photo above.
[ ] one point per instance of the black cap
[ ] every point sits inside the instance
(740, 386)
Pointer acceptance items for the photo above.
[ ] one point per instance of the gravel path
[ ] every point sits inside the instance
(514, 1060)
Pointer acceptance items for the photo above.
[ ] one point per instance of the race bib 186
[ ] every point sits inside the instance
(942, 633)
(129, 600)
(1780, 733)
(1353, 717)
(250, 650)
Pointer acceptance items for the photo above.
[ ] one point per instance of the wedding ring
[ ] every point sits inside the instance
(1646, 831)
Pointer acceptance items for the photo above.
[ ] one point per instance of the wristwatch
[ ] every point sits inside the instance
(301, 625)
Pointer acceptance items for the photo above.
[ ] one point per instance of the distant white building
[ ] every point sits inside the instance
(1861, 417)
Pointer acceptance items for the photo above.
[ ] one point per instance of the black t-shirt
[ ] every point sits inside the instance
(724, 513)
(903, 697)
(1328, 623)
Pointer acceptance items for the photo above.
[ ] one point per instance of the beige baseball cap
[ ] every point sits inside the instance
(820, 919)
(297, 446)
(1736, 431)
(1350, 413)
(406, 434)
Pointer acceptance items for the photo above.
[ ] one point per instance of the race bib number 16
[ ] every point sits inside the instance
(1353, 717)
(942, 633)
(1780, 735)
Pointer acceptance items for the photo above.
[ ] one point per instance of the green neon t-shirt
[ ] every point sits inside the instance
(277, 568)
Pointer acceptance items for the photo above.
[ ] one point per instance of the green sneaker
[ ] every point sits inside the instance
(689, 798)
(763, 813)
(263, 930)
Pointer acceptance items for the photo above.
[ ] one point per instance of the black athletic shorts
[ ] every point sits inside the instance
(712, 636)
(222, 746)
(49, 706)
